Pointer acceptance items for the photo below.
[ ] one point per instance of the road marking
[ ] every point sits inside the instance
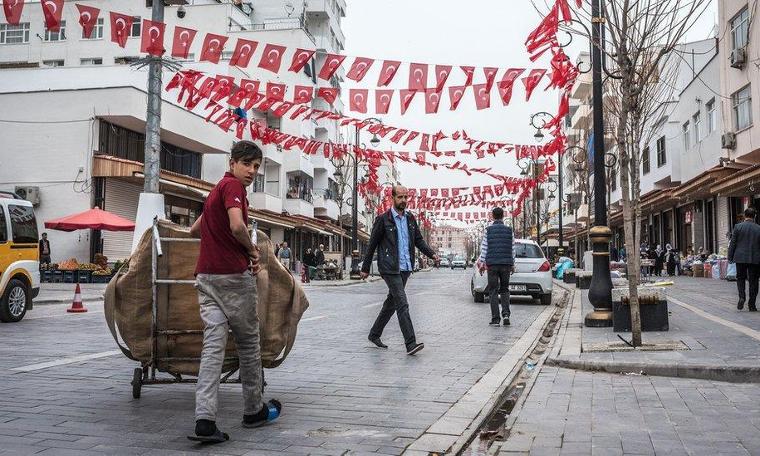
(318, 317)
(64, 361)
(727, 323)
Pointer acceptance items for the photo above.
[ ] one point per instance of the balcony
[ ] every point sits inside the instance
(581, 120)
(324, 206)
(582, 88)
(261, 200)
(274, 154)
(299, 207)
(277, 23)
(296, 161)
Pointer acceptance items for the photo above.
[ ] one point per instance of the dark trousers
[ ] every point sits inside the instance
(44, 259)
(751, 272)
(498, 284)
(395, 302)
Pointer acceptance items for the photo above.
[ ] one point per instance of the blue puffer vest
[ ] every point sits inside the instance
(499, 244)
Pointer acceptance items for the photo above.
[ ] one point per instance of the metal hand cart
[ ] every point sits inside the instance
(146, 375)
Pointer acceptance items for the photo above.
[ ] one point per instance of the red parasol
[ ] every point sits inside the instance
(96, 219)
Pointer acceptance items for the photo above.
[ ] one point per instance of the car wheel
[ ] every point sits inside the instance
(480, 297)
(546, 299)
(13, 303)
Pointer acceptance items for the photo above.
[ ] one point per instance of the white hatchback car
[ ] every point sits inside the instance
(532, 275)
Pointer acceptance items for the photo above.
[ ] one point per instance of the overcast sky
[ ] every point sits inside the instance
(474, 32)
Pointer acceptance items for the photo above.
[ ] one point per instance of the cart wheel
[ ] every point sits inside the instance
(137, 383)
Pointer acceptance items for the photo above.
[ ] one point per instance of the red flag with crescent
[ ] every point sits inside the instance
(152, 41)
(442, 73)
(329, 94)
(243, 52)
(418, 74)
(490, 73)
(213, 45)
(387, 72)
(455, 95)
(183, 39)
(531, 81)
(13, 9)
(469, 71)
(507, 82)
(331, 65)
(383, 99)
(275, 91)
(300, 58)
(357, 100)
(432, 101)
(359, 68)
(271, 58)
(482, 96)
(120, 26)
(406, 99)
(52, 9)
(88, 17)
(303, 94)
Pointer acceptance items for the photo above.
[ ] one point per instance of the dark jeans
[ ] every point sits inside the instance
(44, 259)
(751, 272)
(395, 302)
(498, 284)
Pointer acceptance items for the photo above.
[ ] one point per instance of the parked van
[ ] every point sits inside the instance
(19, 257)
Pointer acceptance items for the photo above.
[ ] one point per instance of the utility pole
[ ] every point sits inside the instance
(561, 204)
(151, 203)
(355, 217)
(600, 291)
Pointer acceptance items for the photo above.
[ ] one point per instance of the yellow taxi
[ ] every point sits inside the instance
(19, 257)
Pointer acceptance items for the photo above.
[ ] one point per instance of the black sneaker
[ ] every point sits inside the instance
(740, 305)
(377, 341)
(506, 321)
(494, 322)
(414, 349)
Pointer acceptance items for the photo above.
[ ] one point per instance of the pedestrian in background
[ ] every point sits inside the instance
(284, 255)
(395, 234)
(497, 256)
(744, 250)
(320, 255)
(310, 263)
(670, 260)
(44, 249)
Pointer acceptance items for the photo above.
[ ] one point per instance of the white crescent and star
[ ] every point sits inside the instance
(458, 94)
(245, 50)
(184, 40)
(121, 25)
(435, 98)
(51, 6)
(418, 73)
(86, 16)
(385, 100)
(14, 4)
(212, 47)
(273, 55)
(152, 29)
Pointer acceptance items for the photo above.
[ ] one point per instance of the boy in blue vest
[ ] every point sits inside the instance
(497, 256)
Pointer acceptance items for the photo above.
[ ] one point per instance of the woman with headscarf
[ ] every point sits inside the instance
(659, 260)
(670, 260)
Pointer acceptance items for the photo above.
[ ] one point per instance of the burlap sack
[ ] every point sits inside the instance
(128, 306)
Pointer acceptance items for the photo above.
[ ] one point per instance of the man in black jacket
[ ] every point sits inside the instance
(744, 250)
(395, 235)
(320, 255)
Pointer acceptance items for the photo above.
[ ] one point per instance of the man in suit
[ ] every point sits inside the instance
(395, 235)
(744, 250)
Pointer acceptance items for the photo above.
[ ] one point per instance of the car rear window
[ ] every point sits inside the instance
(23, 224)
(528, 251)
(3, 227)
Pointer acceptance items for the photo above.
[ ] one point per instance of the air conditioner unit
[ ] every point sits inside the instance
(31, 194)
(738, 58)
(728, 141)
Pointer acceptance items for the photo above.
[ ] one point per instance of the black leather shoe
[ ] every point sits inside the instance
(506, 322)
(494, 322)
(414, 349)
(752, 309)
(740, 306)
(377, 341)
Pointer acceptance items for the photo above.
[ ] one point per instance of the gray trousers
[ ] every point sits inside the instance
(397, 303)
(228, 301)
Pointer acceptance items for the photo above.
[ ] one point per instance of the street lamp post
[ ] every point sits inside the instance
(355, 274)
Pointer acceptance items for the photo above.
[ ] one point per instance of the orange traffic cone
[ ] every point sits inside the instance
(77, 306)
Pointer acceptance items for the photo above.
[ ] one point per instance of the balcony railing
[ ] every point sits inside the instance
(281, 23)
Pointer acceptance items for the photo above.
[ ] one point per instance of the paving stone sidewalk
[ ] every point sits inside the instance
(582, 413)
(58, 293)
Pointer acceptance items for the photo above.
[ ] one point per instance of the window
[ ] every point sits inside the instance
(258, 183)
(613, 178)
(23, 224)
(645, 162)
(686, 142)
(91, 61)
(3, 228)
(52, 63)
(527, 251)
(740, 29)
(711, 116)
(697, 121)
(60, 35)
(136, 25)
(300, 186)
(125, 60)
(661, 157)
(14, 34)
(742, 108)
(97, 31)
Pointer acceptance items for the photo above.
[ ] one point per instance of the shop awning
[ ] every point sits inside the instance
(739, 183)
(700, 186)
(270, 218)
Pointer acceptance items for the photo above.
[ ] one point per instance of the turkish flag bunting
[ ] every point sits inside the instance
(271, 58)
(282, 109)
(213, 45)
(507, 82)
(52, 9)
(359, 68)
(152, 41)
(455, 94)
(442, 73)
(13, 9)
(275, 91)
(398, 135)
(418, 74)
(432, 100)
(331, 65)
(120, 25)
(300, 58)
(406, 99)
(303, 94)
(357, 100)
(445, 192)
(532, 80)
(412, 135)
(482, 96)
(383, 99)
(490, 76)
(329, 94)
(243, 52)
(387, 72)
(88, 17)
(183, 39)
(469, 71)
(424, 144)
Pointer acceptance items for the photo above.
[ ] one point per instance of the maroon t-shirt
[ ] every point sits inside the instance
(221, 253)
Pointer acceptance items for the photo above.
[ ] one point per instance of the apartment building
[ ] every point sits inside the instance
(74, 109)
(449, 240)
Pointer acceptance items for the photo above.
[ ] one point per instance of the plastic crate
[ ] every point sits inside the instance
(70, 276)
(85, 276)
